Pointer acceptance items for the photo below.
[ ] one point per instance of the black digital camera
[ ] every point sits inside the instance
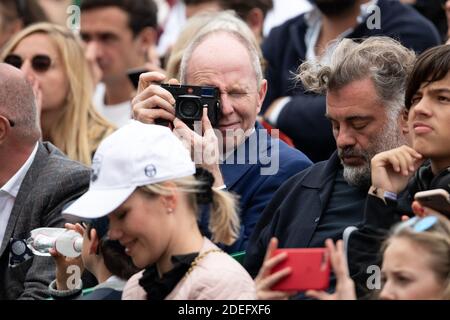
(190, 101)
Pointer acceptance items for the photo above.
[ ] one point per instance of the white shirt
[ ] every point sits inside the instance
(9, 191)
(118, 114)
(314, 22)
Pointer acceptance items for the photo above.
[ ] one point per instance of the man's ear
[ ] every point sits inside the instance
(262, 94)
(170, 200)
(93, 248)
(4, 129)
(147, 37)
(403, 122)
(255, 20)
(403, 125)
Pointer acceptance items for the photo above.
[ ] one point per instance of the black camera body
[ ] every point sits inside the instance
(190, 101)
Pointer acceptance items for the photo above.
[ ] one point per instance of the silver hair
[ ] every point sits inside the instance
(383, 59)
(229, 23)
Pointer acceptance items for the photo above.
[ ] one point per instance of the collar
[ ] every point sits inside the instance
(314, 16)
(113, 282)
(319, 174)
(158, 288)
(12, 186)
(257, 147)
(224, 157)
(313, 20)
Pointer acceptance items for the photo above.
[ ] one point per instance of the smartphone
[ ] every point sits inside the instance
(310, 269)
(436, 199)
(133, 75)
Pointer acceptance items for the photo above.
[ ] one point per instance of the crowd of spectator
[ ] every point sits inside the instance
(188, 140)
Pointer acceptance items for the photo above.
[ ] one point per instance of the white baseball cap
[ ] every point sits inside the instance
(135, 155)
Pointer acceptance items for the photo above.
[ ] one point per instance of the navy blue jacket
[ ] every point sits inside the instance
(303, 118)
(255, 190)
(294, 212)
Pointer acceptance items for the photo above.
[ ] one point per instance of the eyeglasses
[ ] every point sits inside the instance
(418, 224)
(39, 63)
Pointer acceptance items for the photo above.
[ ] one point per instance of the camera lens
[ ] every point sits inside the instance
(189, 108)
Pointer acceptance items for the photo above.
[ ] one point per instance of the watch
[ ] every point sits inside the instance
(383, 194)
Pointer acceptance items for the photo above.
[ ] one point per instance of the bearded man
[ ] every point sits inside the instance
(294, 110)
(365, 88)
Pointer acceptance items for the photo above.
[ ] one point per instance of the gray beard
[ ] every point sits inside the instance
(389, 138)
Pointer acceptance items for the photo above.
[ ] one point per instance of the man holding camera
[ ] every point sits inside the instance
(253, 165)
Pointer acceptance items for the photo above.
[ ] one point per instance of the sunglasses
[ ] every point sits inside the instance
(39, 63)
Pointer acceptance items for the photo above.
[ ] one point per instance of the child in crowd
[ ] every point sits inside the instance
(104, 258)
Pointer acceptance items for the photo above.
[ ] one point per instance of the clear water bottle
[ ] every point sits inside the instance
(69, 243)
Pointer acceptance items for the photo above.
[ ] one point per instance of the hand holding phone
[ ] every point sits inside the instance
(345, 287)
(310, 269)
(436, 199)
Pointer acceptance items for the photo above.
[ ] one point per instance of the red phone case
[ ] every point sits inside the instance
(310, 270)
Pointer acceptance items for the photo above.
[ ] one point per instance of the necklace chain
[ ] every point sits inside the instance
(198, 258)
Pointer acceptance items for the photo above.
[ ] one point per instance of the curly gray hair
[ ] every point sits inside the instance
(383, 59)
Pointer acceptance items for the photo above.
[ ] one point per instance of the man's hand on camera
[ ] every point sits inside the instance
(151, 101)
(203, 146)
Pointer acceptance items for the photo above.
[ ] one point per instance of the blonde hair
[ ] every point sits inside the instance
(80, 127)
(436, 241)
(224, 220)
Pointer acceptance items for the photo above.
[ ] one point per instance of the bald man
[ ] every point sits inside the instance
(36, 182)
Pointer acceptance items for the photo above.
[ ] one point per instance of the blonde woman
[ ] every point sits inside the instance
(144, 182)
(53, 59)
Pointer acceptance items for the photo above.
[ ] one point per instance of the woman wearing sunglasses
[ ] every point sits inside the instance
(52, 57)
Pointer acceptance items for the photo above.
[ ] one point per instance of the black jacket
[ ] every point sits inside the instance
(294, 212)
(364, 244)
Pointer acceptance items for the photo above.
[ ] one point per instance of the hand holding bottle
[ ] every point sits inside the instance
(64, 263)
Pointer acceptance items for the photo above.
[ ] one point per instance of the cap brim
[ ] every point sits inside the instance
(98, 203)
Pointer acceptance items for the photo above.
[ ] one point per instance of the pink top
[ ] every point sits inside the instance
(217, 276)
